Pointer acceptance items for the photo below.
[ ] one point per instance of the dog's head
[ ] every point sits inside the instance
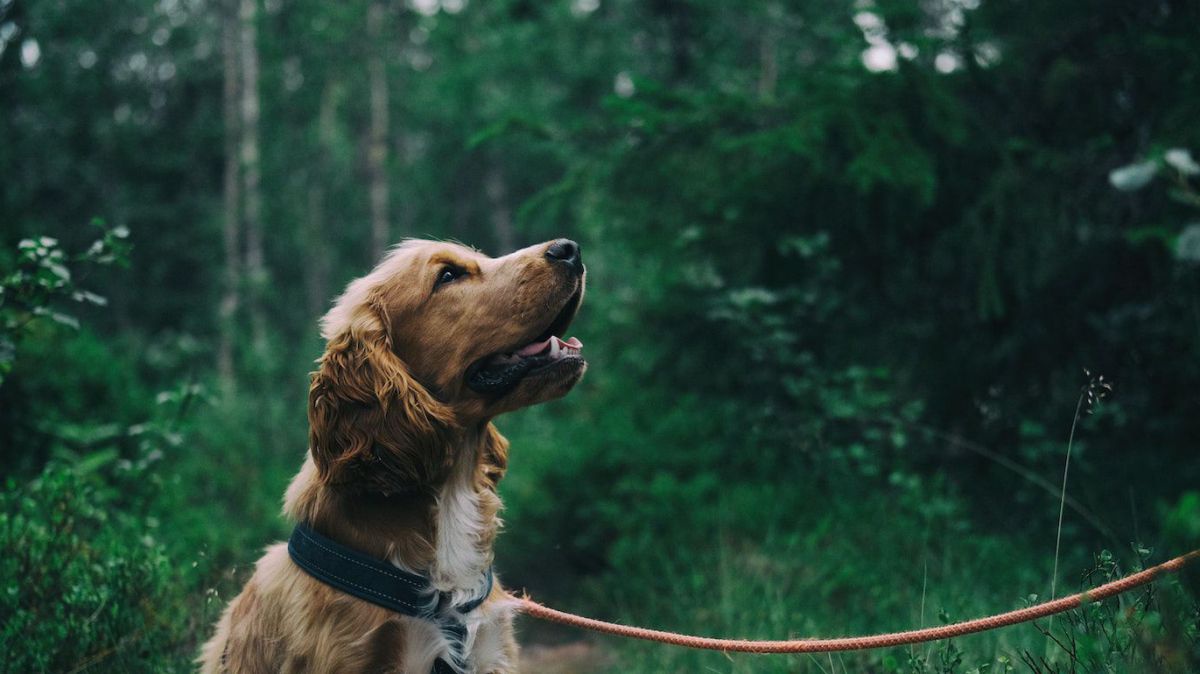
(439, 338)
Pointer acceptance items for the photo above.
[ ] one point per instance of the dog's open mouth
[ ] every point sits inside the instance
(500, 372)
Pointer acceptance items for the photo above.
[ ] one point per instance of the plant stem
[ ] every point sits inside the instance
(1063, 501)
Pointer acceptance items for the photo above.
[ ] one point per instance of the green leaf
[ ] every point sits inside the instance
(57, 317)
(1133, 177)
(89, 297)
(1187, 246)
(1181, 160)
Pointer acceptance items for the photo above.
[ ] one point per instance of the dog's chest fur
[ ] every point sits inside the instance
(465, 524)
(462, 554)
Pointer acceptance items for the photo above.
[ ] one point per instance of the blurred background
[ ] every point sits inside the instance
(862, 272)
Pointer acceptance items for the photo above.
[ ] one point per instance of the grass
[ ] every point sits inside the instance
(839, 570)
(852, 569)
(837, 554)
(823, 550)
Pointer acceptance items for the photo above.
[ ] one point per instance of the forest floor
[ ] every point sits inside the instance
(575, 657)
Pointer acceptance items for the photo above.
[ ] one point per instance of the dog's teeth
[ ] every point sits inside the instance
(555, 349)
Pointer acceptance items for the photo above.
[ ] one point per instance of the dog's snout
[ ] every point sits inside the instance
(565, 251)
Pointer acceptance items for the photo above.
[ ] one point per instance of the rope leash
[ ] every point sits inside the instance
(1049, 608)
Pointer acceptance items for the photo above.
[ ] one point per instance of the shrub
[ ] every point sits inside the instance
(84, 582)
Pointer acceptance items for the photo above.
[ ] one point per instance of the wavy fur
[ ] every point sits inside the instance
(403, 464)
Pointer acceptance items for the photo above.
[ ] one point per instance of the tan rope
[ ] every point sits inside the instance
(1042, 610)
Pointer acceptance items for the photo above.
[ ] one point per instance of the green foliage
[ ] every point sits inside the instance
(836, 315)
(1146, 631)
(41, 277)
(87, 581)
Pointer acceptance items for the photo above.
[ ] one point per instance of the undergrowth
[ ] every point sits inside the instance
(844, 543)
(147, 514)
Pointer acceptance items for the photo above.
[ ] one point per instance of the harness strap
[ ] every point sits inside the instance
(382, 584)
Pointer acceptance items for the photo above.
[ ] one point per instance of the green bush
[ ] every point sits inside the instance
(86, 583)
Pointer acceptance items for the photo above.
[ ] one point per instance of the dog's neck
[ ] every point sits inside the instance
(445, 530)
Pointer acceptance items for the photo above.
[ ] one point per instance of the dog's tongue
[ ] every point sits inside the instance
(538, 347)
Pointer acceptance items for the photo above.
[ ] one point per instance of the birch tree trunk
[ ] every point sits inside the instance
(317, 251)
(377, 148)
(252, 171)
(230, 228)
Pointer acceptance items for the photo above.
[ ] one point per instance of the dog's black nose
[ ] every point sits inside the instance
(565, 250)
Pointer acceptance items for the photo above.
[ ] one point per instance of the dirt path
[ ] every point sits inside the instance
(576, 657)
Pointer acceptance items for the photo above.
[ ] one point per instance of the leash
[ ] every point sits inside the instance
(1049, 608)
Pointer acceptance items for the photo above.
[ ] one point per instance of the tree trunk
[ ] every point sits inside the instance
(496, 189)
(252, 171)
(316, 274)
(230, 229)
(677, 15)
(377, 149)
(317, 266)
(768, 54)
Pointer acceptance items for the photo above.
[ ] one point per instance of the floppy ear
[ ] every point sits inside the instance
(494, 457)
(372, 427)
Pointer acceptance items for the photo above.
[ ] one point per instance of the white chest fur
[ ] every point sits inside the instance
(461, 559)
(484, 645)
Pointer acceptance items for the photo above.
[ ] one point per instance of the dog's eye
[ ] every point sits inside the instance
(448, 274)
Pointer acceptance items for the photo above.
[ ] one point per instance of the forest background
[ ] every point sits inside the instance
(858, 272)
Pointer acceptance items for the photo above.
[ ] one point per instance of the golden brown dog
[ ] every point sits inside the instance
(403, 460)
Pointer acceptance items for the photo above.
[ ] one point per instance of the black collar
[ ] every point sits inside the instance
(383, 584)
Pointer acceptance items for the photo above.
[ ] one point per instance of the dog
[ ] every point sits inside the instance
(399, 486)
